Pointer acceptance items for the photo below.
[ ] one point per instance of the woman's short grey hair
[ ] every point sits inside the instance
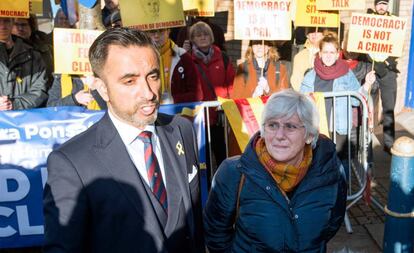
(287, 103)
(199, 28)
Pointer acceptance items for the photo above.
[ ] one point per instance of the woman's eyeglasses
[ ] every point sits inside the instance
(273, 127)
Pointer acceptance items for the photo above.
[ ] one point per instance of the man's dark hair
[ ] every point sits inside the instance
(123, 37)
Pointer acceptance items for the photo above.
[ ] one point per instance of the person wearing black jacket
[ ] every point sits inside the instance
(23, 78)
(387, 78)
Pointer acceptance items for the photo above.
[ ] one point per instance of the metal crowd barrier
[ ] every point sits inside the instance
(358, 141)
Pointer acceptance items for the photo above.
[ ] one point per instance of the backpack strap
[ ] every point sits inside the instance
(206, 79)
(241, 183)
(225, 59)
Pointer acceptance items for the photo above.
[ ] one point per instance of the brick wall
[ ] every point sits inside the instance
(236, 48)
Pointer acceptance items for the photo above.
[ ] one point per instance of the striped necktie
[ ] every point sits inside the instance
(153, 170)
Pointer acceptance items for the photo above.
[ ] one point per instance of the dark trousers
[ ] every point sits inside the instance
(388, 89)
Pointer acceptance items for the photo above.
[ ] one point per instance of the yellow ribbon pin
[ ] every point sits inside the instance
(19, 80)
(180, 149)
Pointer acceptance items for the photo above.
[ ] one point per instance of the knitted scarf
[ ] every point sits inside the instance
(165, 65)
(339, 69)
(286, 176)
(206, 58)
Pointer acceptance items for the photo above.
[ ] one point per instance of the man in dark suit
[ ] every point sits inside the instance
(130, 182)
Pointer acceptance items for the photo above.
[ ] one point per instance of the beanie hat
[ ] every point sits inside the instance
(381, 2)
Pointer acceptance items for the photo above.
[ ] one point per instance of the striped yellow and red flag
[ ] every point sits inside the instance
(245, 115)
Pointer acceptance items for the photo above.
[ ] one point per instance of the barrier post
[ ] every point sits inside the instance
(399, 220)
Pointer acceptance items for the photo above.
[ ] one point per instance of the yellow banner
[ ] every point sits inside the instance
(152, 14)
(14, 8)
(340, 5)
(71, 47)
(201, 8)
(307, 15)
(262, 20)
(36, 7)
(377, 34)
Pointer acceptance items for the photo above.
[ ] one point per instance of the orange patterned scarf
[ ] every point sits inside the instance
(286, 176)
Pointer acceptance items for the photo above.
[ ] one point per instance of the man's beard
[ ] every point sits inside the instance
(132, 119)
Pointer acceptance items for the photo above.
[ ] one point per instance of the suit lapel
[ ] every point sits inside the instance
(175, 162)
(109, 145)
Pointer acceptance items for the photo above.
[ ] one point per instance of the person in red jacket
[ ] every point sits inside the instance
(180, 81)
(216, 73)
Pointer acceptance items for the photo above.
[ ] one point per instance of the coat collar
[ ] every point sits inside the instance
(323, 170)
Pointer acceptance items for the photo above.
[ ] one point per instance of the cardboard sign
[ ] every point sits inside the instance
(201, 8)
(376, 34)
(152, 14)
(36, 7)
(262, 20)
(71, 47)
(14, 8)
(340, 5)
(307, 15)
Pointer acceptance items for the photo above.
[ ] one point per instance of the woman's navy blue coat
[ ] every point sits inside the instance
(267, 221)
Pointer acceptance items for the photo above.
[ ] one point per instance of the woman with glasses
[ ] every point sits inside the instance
(285, 193)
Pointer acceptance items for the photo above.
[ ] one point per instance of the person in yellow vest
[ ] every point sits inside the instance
(71, 90)
(179, 79)
(303, 60)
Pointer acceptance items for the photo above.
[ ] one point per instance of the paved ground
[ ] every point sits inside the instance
(368, 220)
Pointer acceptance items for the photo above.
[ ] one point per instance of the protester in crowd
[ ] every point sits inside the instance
(216, 73)
(331, 74)
(23, 78)
(61, 21)
(70, 90)
(287, 191)
(131, 180)
(261, 73)
(179, 79)
(110, 7)
(113, 20)
(218, 34)
(28, 30)
(387, 78)
(303, 61)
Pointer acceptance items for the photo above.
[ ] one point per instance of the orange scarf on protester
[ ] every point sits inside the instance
(285, 175)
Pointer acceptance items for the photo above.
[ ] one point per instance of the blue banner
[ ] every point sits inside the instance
(26, 139)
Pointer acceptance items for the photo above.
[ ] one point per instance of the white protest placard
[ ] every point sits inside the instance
(376, 34)
(262, 20)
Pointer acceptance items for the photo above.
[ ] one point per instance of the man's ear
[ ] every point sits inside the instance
(101, 88)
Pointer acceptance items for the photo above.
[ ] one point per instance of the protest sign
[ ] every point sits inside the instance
(14, 8)
(262, 20)
(71, 47)
(36, 7)
(201, 8)
(340, 5)
(307, 15)
(152, 14)
(376, 34)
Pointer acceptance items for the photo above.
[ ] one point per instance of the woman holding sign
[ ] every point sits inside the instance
(330, 74)
(261, 73)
